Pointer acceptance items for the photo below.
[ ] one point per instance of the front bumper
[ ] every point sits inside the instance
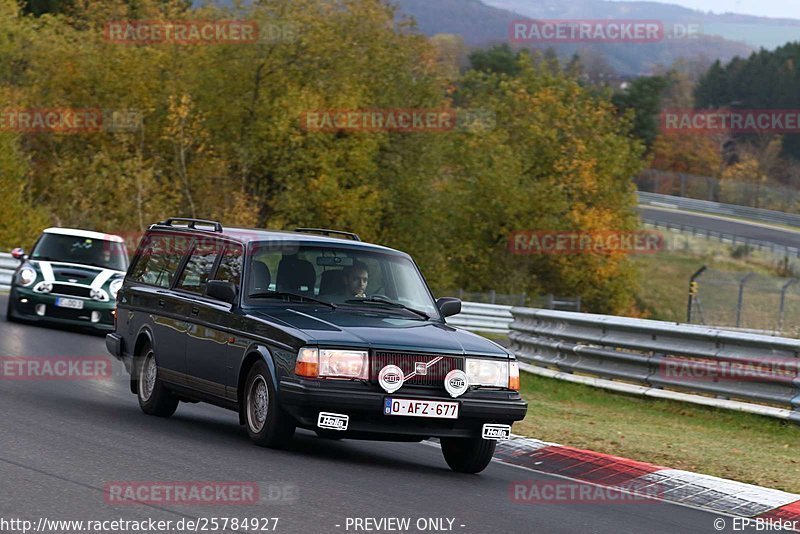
(23, 302)
(363, 403)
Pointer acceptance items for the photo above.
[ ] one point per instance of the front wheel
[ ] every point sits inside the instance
(10, 318)
(267, 424)
(154, 397)
(468, 455)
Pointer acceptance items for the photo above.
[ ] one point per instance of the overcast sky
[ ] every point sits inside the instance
(764, 8)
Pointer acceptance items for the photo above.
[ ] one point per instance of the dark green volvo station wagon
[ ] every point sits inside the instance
(312, 329)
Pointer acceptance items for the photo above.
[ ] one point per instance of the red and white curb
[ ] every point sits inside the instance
(681, 487)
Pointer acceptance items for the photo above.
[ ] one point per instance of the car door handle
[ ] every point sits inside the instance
(195, 311)
(161, 303)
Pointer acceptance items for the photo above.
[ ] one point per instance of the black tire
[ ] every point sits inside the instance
(10, 318)
(273, 428)
(468, 455)
(160, 401)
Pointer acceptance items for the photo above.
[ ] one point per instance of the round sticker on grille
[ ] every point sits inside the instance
(391, 378)
(456, 382)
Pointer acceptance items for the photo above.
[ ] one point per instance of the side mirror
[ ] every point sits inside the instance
(449, 306)
(221, 290)
(18, 254)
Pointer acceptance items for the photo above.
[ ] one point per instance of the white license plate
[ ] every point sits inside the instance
(420, 408)
(74, 304)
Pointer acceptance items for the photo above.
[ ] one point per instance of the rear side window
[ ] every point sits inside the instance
(230, 267)
(199, 267)
(159, 259)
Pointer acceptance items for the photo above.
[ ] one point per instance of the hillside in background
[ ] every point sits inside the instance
(481, 25)
(757, 32)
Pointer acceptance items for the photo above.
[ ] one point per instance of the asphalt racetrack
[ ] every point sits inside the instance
(63, 442)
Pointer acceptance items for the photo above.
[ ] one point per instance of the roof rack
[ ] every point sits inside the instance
(327, 232)
(192, 223)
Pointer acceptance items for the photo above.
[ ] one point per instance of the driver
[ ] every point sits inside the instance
(356, 278)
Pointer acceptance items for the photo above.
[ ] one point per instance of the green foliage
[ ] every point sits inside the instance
(499, 59)
(643, 96)
(222, 139)
(765, 80)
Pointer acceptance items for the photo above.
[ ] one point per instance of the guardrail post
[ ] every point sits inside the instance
(742, 282)
(783, 302)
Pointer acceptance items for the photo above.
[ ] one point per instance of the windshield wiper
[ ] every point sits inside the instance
(282, 294)
(386, 302)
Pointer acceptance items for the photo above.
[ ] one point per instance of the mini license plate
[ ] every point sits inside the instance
(73, 304)
(420, 408)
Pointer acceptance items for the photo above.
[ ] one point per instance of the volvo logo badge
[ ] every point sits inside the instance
(391, 378)
(421, 368)
(456, 382)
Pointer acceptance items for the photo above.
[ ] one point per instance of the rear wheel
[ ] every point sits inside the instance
(267, 424)
(154, 397)
(468, 455)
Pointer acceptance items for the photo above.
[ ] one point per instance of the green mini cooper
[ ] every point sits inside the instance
(71, 277)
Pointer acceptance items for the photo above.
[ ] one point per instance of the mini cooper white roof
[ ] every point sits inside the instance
(84, 233)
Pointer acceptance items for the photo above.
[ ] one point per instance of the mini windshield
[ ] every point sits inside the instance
(344, 277)
(82, 250)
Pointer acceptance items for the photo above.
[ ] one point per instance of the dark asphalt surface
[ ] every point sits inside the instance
(61, 442)
(779, 237)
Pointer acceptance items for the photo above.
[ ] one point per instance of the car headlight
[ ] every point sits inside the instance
(114, 287)
(488, 373)
(330, 363)
(26, 276)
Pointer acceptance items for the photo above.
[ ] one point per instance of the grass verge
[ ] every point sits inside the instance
(664, 278)
(744, 447)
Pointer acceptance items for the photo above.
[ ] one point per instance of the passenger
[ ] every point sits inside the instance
(356, 278)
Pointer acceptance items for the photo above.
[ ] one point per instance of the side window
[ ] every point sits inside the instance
(230, 267)
(200, 265)
(161, 254)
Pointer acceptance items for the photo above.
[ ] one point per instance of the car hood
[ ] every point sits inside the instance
(75, 273)
(344, 328)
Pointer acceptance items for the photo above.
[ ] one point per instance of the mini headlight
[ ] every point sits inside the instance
(114, 287)
(26, 276)
(488, 373)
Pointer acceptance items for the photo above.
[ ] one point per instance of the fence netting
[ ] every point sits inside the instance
(747, 300)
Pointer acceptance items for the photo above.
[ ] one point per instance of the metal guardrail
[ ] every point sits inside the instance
(496, 318)
(732, 370)
(717, 208)
(7, 267)
(725, 237)
(493, 318)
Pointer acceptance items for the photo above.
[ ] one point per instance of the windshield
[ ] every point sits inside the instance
(345, 277)
(82, 250)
